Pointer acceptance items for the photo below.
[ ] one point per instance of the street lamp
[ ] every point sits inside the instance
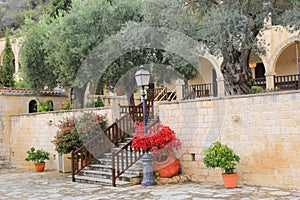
(142, 78)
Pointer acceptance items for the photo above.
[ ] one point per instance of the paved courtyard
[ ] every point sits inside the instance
(27, 184)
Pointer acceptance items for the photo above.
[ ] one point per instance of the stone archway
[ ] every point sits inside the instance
(280, 49)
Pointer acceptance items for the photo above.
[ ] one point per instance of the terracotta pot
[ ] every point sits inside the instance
(230, 180)
(40, 167)
(167, 168)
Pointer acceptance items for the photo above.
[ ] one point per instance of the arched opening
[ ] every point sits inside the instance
(258, 70)
(205, 84)
(287, 62)
(287, 67)
(33, 106)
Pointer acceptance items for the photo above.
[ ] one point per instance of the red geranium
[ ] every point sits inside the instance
(160, 140)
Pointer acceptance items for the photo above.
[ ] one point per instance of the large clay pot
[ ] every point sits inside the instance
(167, 168)
(40, 167)
(230, 180)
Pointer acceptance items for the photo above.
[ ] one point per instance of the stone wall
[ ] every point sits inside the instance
(2, 156)
(14, 104)
(263, 129)
(38, 130)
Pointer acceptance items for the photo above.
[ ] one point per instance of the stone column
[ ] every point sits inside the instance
(115, 110)
(221, 87)
(179, 84)
(270, 85)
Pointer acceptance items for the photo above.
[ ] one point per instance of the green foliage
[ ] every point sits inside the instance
(37, 73)
(45, 106)
(232, 29)
(59, 6)
(73, 131)
(237, 23)
(257, 89)
(55, 48)
(220, 155)
(68, 106)
(20, 84)
(7, 74)
(37, 156)
(95, 104)
(14, 13)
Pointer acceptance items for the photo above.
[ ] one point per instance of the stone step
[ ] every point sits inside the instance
(107, 175)
(135, 169)
(100, 181)
(101, 172)
(108, 161)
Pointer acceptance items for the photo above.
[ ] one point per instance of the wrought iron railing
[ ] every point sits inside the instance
(261, 82)
(287, 82)
(199, 91)
(112, 135)
(125, 157)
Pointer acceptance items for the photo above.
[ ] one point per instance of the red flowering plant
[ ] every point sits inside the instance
(160, 140)
(67, 138)
(90, 124)
(74, 131)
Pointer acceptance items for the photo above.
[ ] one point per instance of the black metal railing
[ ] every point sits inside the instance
(261, 82)
(199, 91)
(287, 82)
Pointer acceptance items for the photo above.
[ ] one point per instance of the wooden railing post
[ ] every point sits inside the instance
(72, 166)
(113, 171)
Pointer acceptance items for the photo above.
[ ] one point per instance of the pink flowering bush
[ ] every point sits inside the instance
(73, 131)
(160, 140)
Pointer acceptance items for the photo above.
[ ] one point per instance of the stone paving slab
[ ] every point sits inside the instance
(26, 184)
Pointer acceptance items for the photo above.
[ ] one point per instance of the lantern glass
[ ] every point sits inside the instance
(142, 77)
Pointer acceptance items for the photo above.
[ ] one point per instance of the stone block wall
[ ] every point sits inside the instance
(14, 104)
(2, 149)
(263, 129)
(38, 130)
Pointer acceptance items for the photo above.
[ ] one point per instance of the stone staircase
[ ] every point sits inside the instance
(100, 171)
(127, 168)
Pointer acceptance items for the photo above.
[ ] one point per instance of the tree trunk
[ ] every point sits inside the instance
(79, 96)
(131, 99)
(236, 71)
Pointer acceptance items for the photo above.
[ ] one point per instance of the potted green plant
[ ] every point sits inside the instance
(220, 155)
(38, 157)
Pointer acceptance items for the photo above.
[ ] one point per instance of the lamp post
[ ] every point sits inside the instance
(142, 78)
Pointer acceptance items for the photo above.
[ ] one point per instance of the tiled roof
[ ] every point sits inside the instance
(7, 90)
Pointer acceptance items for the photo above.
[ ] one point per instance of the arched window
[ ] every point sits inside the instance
(32, 106)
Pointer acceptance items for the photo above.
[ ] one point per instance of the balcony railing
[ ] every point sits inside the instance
(261, 82)
(287, 82)
(199, 91)
(162, 94)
